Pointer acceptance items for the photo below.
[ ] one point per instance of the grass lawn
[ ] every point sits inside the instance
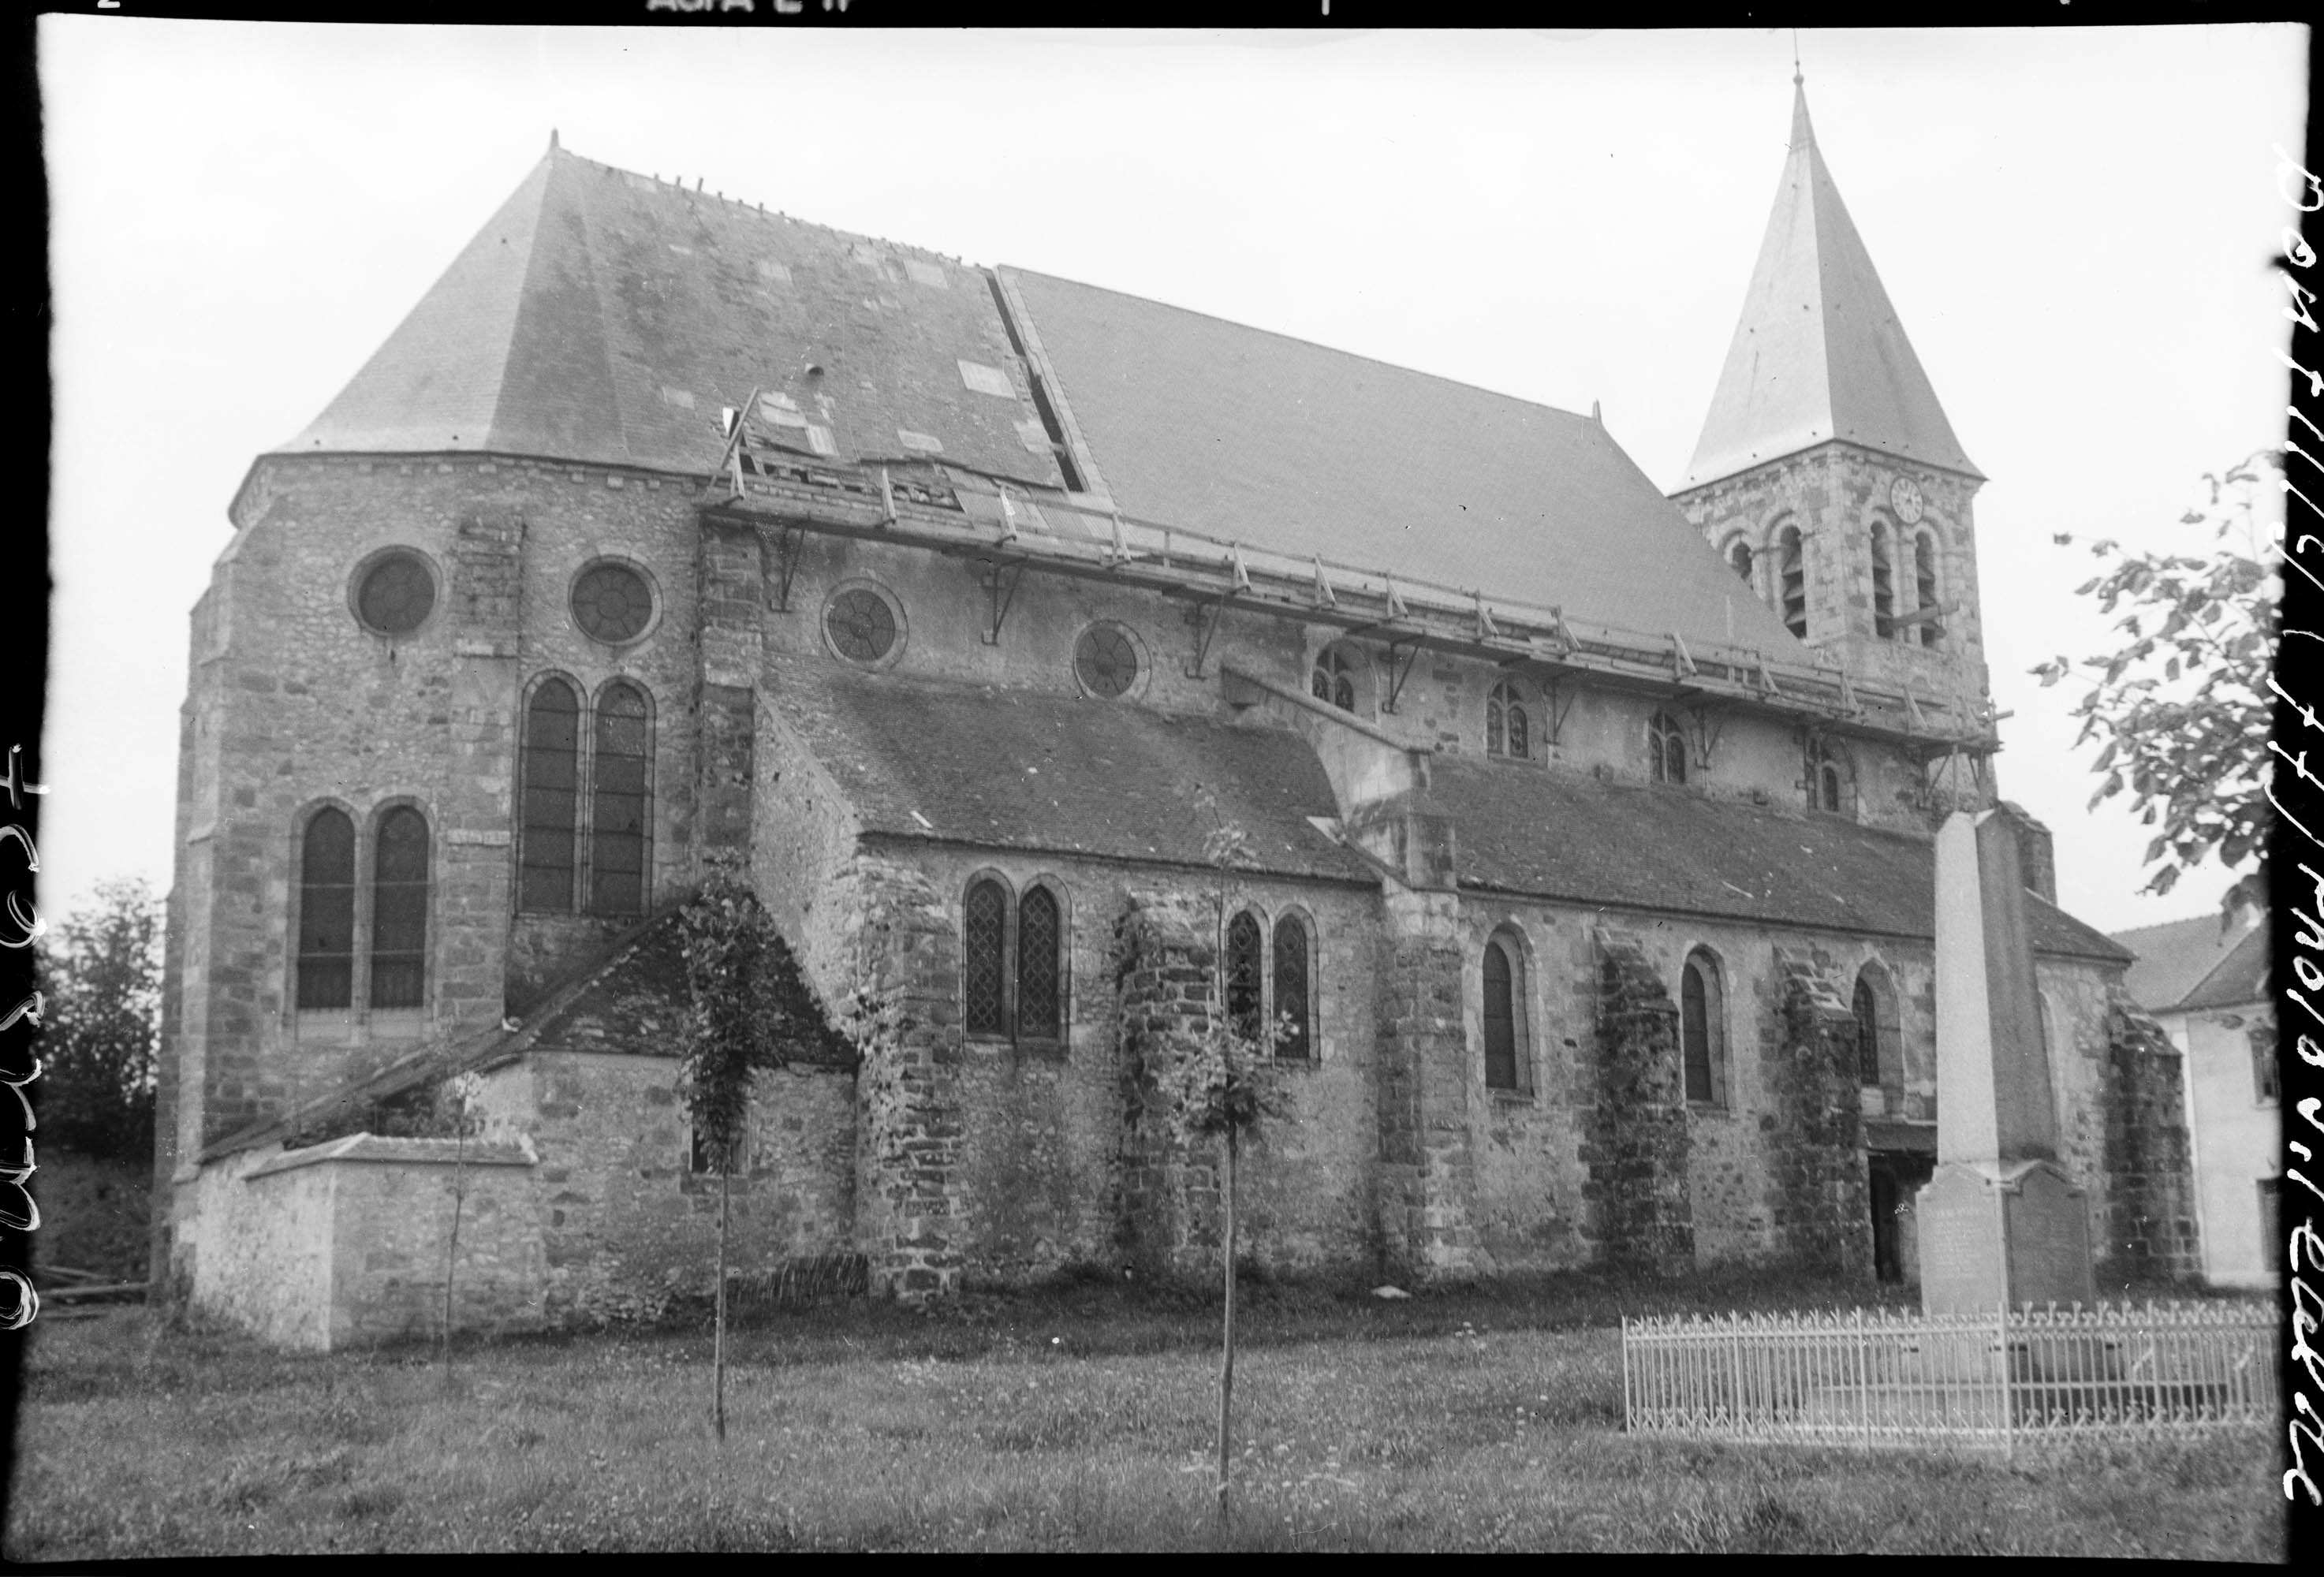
(1078, 1417)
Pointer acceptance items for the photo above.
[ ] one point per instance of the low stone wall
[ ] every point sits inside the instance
(346, 1243)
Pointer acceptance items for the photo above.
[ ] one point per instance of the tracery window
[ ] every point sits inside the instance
(1702, 1029)
(327, 911)
(1269, 981)
(1504, 1014)
(1333, 679)
(1792, 580)
(398, 909)
(1666, 749)
(1014, 983)
(611, 603)
(1506, 731)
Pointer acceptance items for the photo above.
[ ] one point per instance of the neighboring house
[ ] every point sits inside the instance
(1588, 832)
(2206, 985)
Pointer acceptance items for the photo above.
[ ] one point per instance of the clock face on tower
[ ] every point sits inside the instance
(1905, 494)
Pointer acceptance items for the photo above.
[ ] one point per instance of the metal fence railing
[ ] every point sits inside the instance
(1886, 1376)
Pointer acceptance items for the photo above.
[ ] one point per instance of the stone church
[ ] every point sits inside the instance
(1063, 669)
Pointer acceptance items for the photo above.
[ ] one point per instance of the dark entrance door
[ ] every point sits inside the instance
(1886, 1262)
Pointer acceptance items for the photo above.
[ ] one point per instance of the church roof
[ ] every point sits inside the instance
(1819, 353)
(1562, 834)
(606, 317)
(2188, 964)
(1060, 774)
(1195, 421)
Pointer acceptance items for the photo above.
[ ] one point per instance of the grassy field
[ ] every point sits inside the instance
(1078, 1417)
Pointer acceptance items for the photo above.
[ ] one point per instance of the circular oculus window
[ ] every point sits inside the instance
(1105, 660)
(860, 625)
(395, 593)
(611, 603)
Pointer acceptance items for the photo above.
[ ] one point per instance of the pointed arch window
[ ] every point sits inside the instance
(1506, 730)
(1293, 997)
(1245, 983)
(327, 911)
(1829, 777)
(1702, 1029)
(398, 909)
(1040, 996)
(1333, 679)
(1014, 980)
(1866, 1007)
(1883, 582)
(984, 924)
(584, 827)
(1504, 1014)
(1666, 749)
(551, 798)
(1924, 587)
(623, 747)
(1792, 580)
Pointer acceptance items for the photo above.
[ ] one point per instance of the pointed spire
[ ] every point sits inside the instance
(1818, 353)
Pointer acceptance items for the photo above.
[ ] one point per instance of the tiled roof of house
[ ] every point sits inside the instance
(1016, 770)
(607, 317)
(1195, 421)
(1819, 353)
(2185, 965)
(1551, 833)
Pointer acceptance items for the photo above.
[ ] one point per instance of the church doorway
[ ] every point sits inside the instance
(1895, 1177)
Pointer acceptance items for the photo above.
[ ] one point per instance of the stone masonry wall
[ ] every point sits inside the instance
(907, 1117)
(623, 1220)
(1635, 1152)
(1428, 1177)
(294, 704)
(1817, 1183)
(1165, 984)
(2149, 1203)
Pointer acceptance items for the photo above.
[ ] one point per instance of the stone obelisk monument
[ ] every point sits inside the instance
(1999, 1221)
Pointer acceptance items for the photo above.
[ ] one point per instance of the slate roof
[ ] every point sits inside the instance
(607, 317)
(1013, 770)
(631, 998)
(2188, 964)
(1195, 421)
(1559, 835)
(1819, 353)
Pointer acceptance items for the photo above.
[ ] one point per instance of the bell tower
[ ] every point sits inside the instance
(1827, 476)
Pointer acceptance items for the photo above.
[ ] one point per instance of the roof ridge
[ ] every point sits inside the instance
(749, 206)
(1315, 344)
(2168, 924)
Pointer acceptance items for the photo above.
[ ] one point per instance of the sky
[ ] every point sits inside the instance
(2074, 225)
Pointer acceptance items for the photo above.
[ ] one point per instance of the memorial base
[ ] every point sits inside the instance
(2007, 1232)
